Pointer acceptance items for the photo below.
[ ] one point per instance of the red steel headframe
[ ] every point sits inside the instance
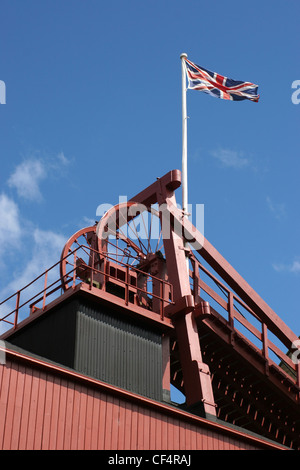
(198, 386)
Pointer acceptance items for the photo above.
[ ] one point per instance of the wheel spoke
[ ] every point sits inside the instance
(123, 240)
(158, 241)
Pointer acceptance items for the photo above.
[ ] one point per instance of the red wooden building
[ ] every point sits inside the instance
(138, 305)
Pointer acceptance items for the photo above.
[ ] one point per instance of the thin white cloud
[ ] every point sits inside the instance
(231, 158)
(87, 222)
(26, 179)
(62, 159)
(10, 228)
(41, 248)
(277, 209)
(293, 267)
(45, 248)
(29, 174)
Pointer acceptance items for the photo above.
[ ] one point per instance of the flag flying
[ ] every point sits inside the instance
(219, 86)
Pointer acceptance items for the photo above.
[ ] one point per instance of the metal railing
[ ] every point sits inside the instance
(241, 319)
(37, 294)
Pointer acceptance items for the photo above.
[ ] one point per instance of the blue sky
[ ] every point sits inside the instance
(93, 111)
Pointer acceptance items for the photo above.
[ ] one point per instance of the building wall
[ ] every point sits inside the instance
(43, 406)
(99, 342)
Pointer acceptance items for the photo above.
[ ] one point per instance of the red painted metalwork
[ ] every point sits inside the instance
(226, 372)
(46, 407)
(80, 276)
(198, 388)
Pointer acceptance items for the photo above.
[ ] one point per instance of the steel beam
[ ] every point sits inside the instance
(162, 192)
(196, 374)
(233, 278)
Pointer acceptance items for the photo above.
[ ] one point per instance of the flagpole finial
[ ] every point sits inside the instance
(183, 55)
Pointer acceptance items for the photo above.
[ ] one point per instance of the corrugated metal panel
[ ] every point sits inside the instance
(51, 335)
(97, 341)
(118, 351)
(44, 407)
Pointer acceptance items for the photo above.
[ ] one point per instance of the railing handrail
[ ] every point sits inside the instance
(42, 294)
(262, 335)
(37, 278)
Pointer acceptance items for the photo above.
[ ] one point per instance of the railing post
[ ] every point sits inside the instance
(45, 288)
(92, 271)
(126, 285)
(17, 310)
(74, 271)
(162, 299)
(265, 341)
(265, 346)
(231, 316)
(298, 374)
(196, 283)
(230, 309)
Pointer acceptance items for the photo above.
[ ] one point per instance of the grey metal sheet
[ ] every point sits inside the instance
(118, 351)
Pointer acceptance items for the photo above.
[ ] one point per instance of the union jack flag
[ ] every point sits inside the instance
(219, 86)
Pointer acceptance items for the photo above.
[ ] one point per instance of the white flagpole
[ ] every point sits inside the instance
(184, 185)
(184, 137)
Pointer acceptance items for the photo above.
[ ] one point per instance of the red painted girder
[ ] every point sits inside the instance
(196, 374)
(162, 191)
(234, 279)
(150, 195)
